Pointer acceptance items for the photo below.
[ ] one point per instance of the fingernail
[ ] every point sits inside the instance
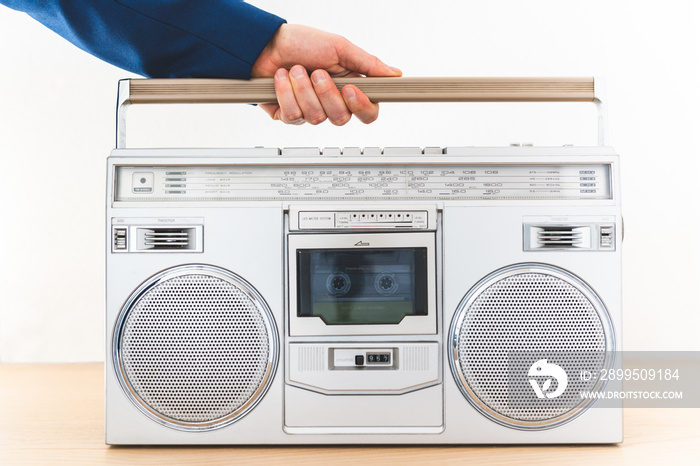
(395, 70)
(298, 72)
(280, 73)
(318, 78)
(349, 92)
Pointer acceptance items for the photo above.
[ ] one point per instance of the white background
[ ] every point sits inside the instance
(57, 127)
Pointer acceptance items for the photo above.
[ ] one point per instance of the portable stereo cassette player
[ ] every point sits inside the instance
(362, 296)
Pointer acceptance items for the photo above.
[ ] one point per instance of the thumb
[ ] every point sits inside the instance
(353, 58)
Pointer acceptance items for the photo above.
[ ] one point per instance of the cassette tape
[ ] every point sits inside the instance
(370, 286)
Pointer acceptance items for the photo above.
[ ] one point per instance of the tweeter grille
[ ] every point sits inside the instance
(513, 323)
(195, 347)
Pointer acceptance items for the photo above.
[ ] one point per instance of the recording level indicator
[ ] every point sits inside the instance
(315, 220)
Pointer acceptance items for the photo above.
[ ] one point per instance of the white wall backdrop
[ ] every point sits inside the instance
(57, 127)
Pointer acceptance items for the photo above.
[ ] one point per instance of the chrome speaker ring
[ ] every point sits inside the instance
(195, 347)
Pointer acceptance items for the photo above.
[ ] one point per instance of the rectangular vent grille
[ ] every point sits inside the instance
(558, 237)
(165, 239)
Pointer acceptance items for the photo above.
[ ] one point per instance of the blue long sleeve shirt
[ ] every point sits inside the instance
(161, 38)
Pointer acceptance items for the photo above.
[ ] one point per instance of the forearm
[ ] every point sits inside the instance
(157, 38)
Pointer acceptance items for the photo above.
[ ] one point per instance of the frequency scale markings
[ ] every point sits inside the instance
(576, 181)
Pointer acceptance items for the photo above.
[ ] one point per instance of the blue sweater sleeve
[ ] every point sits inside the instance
(161, 38)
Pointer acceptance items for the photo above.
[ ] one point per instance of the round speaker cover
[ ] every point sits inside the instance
(195, 347)
(517, 338)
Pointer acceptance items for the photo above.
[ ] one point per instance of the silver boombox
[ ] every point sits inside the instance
(395, 296)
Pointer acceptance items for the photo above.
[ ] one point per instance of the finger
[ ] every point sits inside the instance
(352, 57)
(290, 112)
(306, 96)
(359, 104)
(271, 109)
(330, 98)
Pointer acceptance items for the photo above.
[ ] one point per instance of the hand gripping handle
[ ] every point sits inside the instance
(257, 91)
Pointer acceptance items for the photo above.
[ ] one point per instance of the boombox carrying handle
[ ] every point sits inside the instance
(261, 90)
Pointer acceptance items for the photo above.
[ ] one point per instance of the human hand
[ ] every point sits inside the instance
(315, 98)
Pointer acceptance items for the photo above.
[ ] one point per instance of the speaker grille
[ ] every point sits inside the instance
(195, 347)
(515, 317)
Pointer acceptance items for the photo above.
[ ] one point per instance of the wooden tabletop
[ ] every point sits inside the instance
(54, 414)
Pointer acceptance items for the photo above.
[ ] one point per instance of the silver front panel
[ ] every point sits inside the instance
(321, 391)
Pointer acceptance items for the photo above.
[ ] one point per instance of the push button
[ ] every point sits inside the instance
(352, 151)
(403, 151)
(359, 360)
(301, 151)
(331, 151)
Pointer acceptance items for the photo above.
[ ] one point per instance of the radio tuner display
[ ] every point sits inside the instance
(362, 287)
